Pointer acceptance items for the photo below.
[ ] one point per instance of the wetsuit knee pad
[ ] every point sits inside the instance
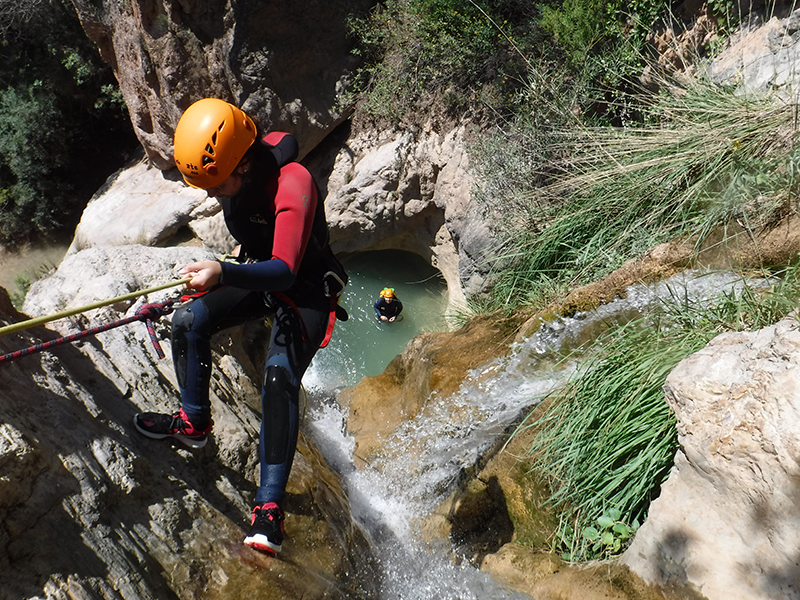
(184, 321)
(279, 407)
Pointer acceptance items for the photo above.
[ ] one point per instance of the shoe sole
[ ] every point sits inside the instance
(192, 443)
(261, 542)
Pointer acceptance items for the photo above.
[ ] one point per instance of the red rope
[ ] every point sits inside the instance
(147, 313)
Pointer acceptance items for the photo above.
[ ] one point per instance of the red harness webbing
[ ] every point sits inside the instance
(331, 317)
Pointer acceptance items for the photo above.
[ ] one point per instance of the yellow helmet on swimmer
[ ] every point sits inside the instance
(211, 138)
(388, 293)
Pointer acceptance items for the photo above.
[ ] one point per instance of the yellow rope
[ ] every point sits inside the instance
(68, 313)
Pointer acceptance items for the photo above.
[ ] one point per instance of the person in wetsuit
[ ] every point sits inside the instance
(272, 208)
(388, 307)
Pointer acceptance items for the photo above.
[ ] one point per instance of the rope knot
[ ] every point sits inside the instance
(153, 312)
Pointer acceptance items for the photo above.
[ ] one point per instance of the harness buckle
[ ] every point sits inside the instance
(327, 286)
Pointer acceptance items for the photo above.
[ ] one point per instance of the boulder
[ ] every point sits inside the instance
(143, 205)
(761, 58)
(727, 520)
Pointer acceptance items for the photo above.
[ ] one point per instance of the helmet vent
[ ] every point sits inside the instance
(207, 160)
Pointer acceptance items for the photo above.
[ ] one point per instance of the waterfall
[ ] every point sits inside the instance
(426, 456)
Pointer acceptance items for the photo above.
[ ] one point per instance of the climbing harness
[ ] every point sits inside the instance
(149, 313)
(334, 287)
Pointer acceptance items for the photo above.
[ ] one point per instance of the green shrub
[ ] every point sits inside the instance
(581, 26)
(414, 49)
(62, 121)
(34, 156)
(609, 535)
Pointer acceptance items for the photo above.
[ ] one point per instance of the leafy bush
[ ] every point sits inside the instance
(581, 26)
(604, 40)
(609, 535)
(34, 158)
(62, 120)
(448, 48)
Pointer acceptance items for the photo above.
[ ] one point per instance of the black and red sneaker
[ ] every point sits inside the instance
(266, 531)
(177, 425)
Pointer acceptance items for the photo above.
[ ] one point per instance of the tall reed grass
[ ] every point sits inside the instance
(698, 158)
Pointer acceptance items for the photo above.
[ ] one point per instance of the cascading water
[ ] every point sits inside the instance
(426, 456)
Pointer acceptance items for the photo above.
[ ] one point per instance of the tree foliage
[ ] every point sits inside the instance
(63, 124)
(451, 49)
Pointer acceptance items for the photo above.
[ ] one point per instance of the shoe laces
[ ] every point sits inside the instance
(269, 511)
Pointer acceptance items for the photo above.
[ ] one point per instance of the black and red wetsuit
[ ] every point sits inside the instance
(279, 220)
(390, 310)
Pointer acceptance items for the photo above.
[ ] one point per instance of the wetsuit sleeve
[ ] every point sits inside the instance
(269, 275)
(377, 307)
(295, 203)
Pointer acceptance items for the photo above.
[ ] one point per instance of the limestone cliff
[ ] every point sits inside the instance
(286, 63)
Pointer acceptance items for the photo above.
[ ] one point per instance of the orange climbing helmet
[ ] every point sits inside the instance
(388, 293)
(210, 140)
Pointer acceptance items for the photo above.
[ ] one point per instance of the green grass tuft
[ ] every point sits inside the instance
(703, 157)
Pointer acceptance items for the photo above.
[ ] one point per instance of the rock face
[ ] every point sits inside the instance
(762, 58)
(411, 190)
(142, 205)
(92, 509)
(727, 520)
(287, 64)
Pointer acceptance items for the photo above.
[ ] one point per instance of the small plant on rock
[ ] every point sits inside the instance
(610, 535)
